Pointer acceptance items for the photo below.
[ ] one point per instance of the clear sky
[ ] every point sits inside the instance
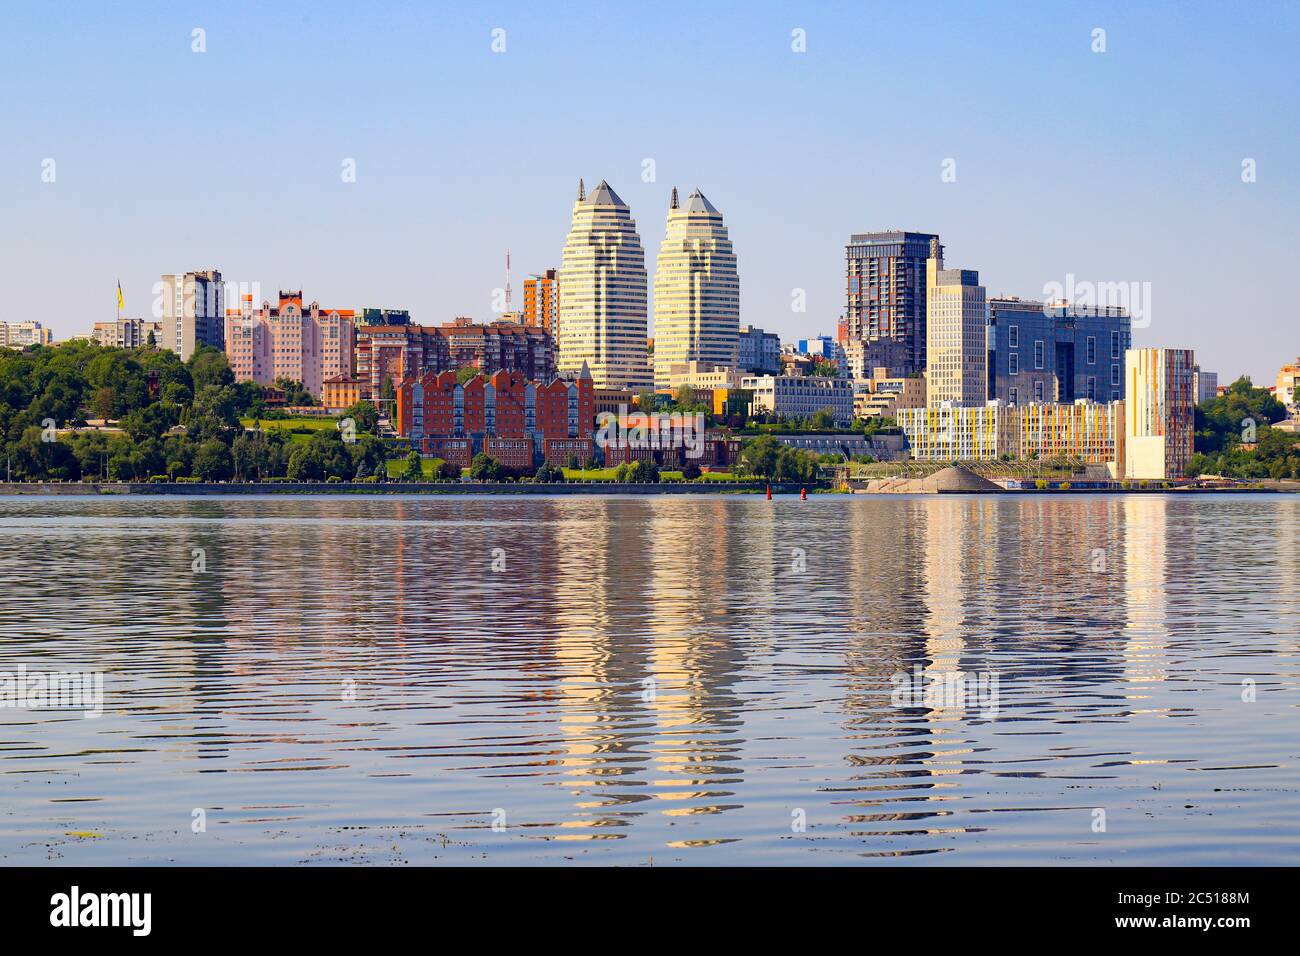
(1122, 166)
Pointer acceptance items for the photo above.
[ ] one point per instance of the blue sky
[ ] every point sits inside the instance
(1122, 166)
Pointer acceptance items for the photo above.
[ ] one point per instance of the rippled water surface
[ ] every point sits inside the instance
(655, 680)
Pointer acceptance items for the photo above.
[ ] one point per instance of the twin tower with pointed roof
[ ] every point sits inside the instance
(602, 315)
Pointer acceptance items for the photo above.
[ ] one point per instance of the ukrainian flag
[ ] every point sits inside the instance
(121, 302)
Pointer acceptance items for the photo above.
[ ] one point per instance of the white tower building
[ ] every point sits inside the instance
(603, 309)
(697, 290)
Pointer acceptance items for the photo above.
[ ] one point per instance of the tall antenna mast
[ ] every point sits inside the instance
(507, 280)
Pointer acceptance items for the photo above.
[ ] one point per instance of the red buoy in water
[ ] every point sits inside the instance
(769, 491)
(803, 494)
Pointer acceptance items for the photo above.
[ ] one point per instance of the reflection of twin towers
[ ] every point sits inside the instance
(698, 596)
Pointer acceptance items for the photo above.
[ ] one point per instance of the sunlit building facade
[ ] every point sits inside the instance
(519, 422)
(886, 287)
(956, 336)
(1086, 431)
(305, 344)
(1159, 412)
(950, 432)
(697, 289)
(603, 317)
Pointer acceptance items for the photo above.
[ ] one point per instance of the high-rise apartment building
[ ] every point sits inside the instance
(1159, 412)
(759, 352)
(956, 336)
(697, 289)
(542, 301)
(602, 309)
(1056, 352)
(306, 344)
(886, 287)
(193, 312)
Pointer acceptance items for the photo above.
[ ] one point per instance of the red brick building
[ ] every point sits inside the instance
(718, 451)
(401, 352)
(519, 422)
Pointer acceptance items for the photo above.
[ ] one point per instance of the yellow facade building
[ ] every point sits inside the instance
(340, 391)
(1089, 431)
(949, 432)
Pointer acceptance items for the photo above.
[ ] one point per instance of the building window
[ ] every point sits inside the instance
(1092, 388)
(1114, 345)
(1014, 396)
(1038, 391)
(1013, 364)
(1114, 375)
(1038, 353)
(1013, 336)
(1092, 350)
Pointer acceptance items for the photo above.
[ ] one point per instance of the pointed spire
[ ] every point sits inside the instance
(673, 204)
(582, 190)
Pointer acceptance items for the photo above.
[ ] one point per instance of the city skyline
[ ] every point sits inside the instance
(1106, 166)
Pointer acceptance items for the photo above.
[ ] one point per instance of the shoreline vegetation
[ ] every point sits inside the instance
(736, 486)
(81, 413)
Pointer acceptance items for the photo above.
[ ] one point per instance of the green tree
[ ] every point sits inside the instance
(759, 456)
(640, 471)
(414, 467)
(365, 453)
(795, 464)
(209, 366)
(823, 419)
(485, 468)
(214, 414)
(213, 461)
(1221, 421)
(364, 414)
(294, 392)
(549, 474)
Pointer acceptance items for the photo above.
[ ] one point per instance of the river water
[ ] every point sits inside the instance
(1060, 680)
